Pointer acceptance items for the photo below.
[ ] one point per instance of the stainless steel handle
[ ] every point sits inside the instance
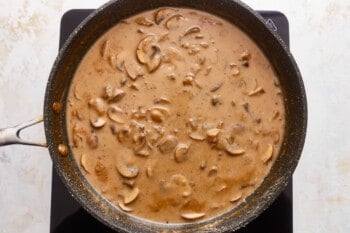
(11, 135)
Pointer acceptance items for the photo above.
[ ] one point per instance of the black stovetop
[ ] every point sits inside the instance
(67, 216)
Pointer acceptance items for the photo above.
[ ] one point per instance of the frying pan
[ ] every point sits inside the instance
(56, 129)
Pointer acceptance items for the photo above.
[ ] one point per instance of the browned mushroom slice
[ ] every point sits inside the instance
(191, 30)
(92, 140)
(232, 150)
(116, 114)
(124, 134)
(113, 94)
(168, 144)
(156, 115)
(78, 135)
(162, 14)
(132, 70)
(188, 81)
(124, 208)
(105, 49)
(181, 152)
(142, 153)
(163, 110)
(192, 216)
(236, 197)
(173, 21)
(120, 60)
(127, 171)
(144, 21)
(130, 197)
(98, 123)
(148, 52)
(162, 100)
(212, 133)
(87, 162)
(171, 54)
(234, 69)
(98, 105)
(267, 154)
(197, 136)
(216, 87)
(257, 91)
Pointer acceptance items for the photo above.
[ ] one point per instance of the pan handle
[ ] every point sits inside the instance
(11, 135)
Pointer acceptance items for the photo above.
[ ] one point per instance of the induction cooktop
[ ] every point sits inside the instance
(67, 216)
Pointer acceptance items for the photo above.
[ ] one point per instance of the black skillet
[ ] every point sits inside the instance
(56, 131)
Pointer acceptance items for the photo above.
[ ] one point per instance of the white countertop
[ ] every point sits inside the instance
(320, 41)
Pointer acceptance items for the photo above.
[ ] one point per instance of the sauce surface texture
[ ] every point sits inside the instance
(175, 115)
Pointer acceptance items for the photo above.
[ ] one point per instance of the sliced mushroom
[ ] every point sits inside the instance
(144, 21)
(132, 70)
(120, 60)
(192, 216)
(124, 208)
(127, 171)
(78, 134)
(234, 69)
(275, 113)
(245, 56)
(216, 87)
(236, 197)
(181, 152)
(208, 70)
(213, 170)
(113, 61)
(191, 30)
(113, 94)
(163, 110)
(123, 134)
(221, 187)
(233, 150)
(105, 49)
(182, 183)
(162, 14)
(212, 133)
(204, 44)
(130, 197)
(168, 144)
(148, 52)
(276, 137)
(257, 91)
(194, 49)
(116, 114)
(101, 171)
(142, 153)
(268, 153)
(84, 162)
(173, 21)
(92, 140)
(188, 81)
(98, 123)
(162, 100)
(203, 165)
(149, 171)
(156, 116)
(98, 105)
(215, 100)
(171, 54)
(197, 136)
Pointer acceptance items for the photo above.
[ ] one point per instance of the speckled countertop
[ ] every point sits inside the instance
(320, 41)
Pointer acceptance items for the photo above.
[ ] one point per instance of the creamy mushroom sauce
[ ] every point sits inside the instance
(175, 115)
